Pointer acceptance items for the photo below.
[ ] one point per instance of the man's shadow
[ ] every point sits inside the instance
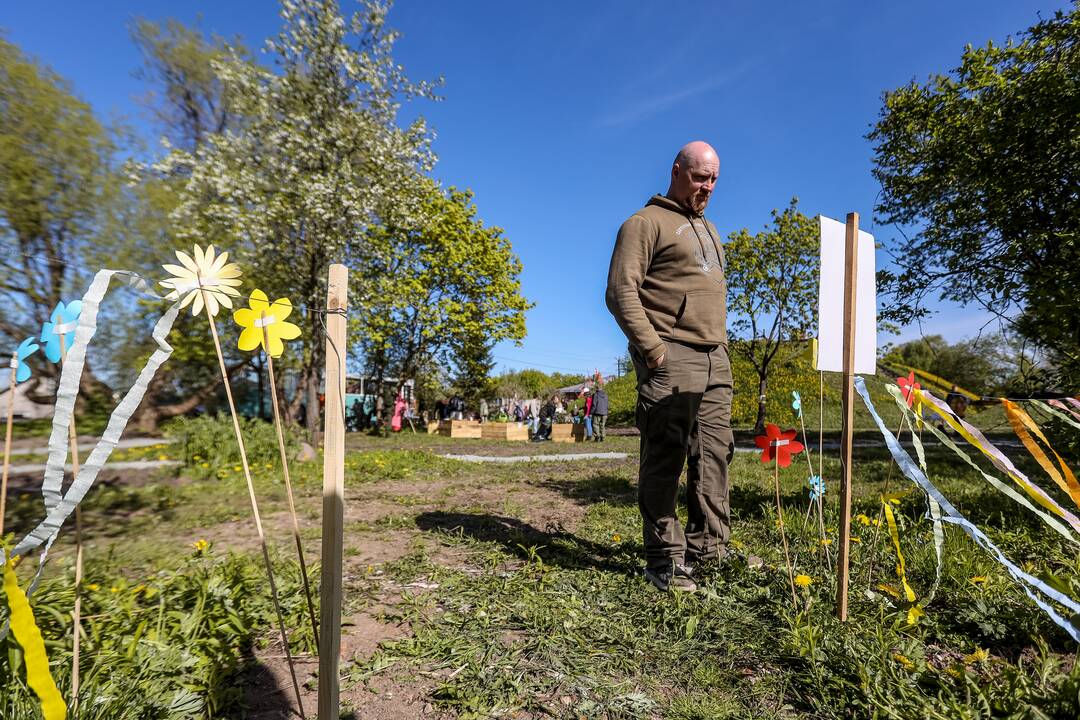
(519, 538)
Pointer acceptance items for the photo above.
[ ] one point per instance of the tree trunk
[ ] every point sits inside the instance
(759, 424)
(150, 414)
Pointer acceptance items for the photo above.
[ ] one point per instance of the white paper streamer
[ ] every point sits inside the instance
(59, 507)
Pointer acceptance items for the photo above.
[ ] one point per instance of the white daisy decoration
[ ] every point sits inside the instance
(203, 271)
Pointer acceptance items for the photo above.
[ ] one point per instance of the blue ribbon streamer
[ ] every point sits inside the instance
(1030, 584)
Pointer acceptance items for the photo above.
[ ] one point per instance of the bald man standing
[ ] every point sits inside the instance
(666, 289)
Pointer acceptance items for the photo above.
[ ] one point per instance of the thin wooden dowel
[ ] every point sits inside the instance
(783, 535)
(288, 483)
(881, 510)
(251, 497)
(7, 441)
(76, 611)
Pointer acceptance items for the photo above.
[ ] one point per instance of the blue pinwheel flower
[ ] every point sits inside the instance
(796, 404)
(817, 487)
(64, 321)
(26, 348)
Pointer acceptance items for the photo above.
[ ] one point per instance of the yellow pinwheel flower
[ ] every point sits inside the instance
(262, 314)
(803, 580)
(203, 271)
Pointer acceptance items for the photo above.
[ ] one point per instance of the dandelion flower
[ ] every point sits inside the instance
(203, 275)
(904, 661)
(200, 546)
(264, 324)
(976, 657)
(803, 580)
(93, 587)
(979, 580)
(914, 613)
(616, 538)
(863, 519)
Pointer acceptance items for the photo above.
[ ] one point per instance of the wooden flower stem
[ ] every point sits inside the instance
(820, 514)
(7, 441)
(254, 502)
(76, 613)
(881, 510)
(288, 482)
(783, 535)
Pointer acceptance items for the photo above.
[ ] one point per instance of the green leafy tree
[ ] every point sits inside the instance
(56, 175)
(985, 161)
(772, 280)
(318, 158)
(438, 284)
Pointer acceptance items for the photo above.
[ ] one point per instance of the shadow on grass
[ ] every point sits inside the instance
(602, 487)
(556, 545)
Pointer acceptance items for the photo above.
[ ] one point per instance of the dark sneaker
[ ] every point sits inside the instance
(668, 577)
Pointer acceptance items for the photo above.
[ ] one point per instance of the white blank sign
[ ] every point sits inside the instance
(830, 347)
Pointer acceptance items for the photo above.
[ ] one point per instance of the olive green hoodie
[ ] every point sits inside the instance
(666, 280)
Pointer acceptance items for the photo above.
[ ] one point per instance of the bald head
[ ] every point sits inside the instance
(693, 176)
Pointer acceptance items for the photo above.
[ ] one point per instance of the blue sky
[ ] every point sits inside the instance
(564, 117)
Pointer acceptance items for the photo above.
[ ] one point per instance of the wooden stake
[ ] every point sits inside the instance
(251, 497)
(76, 613)
(288, 482)
(7, 441)
(783, 535)
(851, 265)
(333, 493)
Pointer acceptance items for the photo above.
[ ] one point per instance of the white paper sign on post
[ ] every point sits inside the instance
(830, 346)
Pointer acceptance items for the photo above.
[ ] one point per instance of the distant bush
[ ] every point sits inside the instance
(208, 441)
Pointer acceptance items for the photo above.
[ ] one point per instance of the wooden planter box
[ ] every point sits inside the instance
(504, 431)
(460, 429)
(563, 432)
(433, 427)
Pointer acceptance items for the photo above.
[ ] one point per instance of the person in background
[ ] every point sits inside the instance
(599, 409)
(483, 410)
(547, 418)
(587, 392)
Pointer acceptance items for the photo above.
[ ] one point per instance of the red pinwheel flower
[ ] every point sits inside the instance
(907, 385)
(780, 442)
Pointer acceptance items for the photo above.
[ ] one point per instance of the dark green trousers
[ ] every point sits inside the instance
(684, 415)
(599, 424)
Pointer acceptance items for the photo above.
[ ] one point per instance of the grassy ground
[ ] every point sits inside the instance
(515, 591)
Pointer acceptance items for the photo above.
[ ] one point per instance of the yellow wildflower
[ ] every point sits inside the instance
(93, 587)
(914, 613)
(237, 468)
(979, 580)
(803, 580)
(825, 541)
(114, 589)
(616, 538)
(904, 661)
(976, 657)
(856, 540)
(200, 546)
(862, 519)
(162, 457)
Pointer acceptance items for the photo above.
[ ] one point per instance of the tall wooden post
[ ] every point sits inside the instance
(851, 263)
(333, 494)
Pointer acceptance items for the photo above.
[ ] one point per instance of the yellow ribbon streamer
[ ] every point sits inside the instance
(29, 637)
(908, 592)
(1021, 422)
(1035, 494)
